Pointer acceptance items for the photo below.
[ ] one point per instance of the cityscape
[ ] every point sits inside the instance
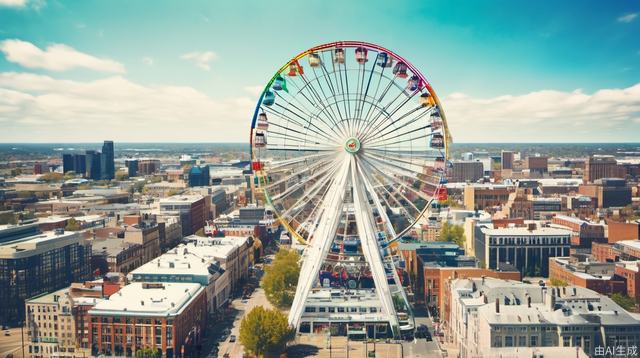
(359, 190)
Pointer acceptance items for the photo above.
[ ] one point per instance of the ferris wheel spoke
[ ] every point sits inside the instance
(399, 119)
(366, 92)
(335, 118)
(321, 107)
(375, 94)
(306, 168)
(304, 118)
(377, 141)
(372, 129)
(297, 185)
(313, 191)
(397, 169)
(324, 108)
(404, 184)
(295, 163)
(342, 92)
(329, 81)
(383, 114)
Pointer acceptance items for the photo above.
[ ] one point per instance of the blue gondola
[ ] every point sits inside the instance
(278, 83)
(269, 98)
(384, 60)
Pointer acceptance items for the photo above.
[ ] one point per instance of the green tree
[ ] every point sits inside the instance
(265, 332)
(121, 175)
(8, 218)
(557, 282)
(52, 177)
(452, 233)
(72, 225)
(69, 175)
(281, 277)
(147, 353)
(624, 301)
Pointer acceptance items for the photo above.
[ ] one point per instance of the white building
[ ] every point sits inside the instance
(490, 316)
(188, 264)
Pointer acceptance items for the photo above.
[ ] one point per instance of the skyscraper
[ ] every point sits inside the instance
(107, 166)
(68, 163)
(74, 163)
(507, 160)
(93, 165)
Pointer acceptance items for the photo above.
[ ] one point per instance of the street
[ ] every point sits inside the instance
(420, 347)
(12, 344)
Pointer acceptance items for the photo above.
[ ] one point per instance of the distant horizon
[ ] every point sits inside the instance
(247, 143)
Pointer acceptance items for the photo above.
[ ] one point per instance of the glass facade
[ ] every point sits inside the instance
(26, 277)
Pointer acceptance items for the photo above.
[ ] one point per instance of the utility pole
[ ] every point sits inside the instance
(22, 337)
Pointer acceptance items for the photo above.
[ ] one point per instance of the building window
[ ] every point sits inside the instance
(534, 341)
(497, 341)
(522, 341)
(566, 341)
(508, 341)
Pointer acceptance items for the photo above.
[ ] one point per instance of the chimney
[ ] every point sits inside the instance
(575, 291)
(497, 305)
(483, 277)
(529, 301)
(552, 301)
(142, 302)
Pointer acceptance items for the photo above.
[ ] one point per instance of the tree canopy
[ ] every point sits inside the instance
(624, 301)
(265, 332)
(281, 277)
(72, 225)
(452, 233)
(557, 282)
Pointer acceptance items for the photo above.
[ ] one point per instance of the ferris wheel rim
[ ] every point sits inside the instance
(344, 45)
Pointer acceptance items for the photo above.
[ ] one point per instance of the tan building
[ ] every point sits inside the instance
(600, 166)
(486, 196)
(147, 235)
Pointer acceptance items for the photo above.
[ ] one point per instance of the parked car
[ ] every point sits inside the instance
(232, 338)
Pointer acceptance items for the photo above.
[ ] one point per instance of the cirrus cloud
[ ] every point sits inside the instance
(56, 57)
(628, 17)
(202, 59)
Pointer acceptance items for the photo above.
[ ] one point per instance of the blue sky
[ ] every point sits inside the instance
(492, 62)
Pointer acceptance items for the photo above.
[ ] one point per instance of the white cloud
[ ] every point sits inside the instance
(56, 57)
(42, 108)
(628, 17)
(547, 115)
(147, 61)
(13, 3)
(202, 59)
(254, 90)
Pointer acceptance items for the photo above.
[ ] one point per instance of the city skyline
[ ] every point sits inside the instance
(75, 75)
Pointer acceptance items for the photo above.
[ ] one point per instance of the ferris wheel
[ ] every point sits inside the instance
(349, 143)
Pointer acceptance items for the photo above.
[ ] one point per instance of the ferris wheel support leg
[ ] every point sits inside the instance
(367, 183)
(367, 230)
(316, 253)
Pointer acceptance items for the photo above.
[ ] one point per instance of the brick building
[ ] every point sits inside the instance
(166, 317)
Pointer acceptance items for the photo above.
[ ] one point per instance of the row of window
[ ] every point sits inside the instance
(312, 309)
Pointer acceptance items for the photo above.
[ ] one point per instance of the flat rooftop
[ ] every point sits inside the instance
(149, 299)
(524, 231)
(32, 245)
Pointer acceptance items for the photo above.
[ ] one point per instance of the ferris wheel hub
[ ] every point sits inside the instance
(352, 145)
